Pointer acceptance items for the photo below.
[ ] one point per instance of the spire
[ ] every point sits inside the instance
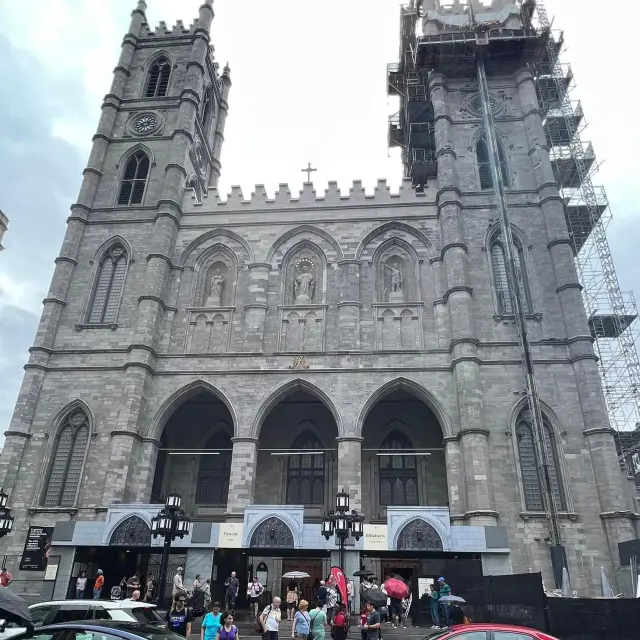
(227, 70)
(205, 17)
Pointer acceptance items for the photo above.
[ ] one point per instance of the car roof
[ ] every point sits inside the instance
(126, 629)
(488, 626)
(107, 604)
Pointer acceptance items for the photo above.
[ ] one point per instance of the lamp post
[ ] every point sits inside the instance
(171, 523)
(342, 524)
(6, 519)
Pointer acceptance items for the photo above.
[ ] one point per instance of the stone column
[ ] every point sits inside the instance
(350, 468)
(349, 305)
(256, 310)
(475, 451)
(242, 479)
(455, 480)
(598, 435)
(457, 297)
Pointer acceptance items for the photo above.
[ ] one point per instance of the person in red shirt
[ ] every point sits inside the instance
(339, 624)
(5, 577)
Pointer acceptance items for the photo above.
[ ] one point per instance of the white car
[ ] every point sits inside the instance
(61, 611)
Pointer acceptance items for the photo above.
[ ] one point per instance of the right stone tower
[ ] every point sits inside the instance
(487, 124)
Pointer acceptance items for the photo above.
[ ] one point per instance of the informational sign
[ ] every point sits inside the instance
(51, 571)
(230, 535)
(424, 586)
(375, 537)
(36, 549)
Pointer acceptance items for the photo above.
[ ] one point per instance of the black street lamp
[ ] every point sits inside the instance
(6, 519)
(171, 523)
(342, 524)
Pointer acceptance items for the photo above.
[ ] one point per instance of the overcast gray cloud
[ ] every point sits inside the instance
(309, 85)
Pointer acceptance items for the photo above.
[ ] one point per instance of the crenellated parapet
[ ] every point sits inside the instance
(332, 195)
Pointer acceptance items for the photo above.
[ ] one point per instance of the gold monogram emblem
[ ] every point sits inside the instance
(299, 362)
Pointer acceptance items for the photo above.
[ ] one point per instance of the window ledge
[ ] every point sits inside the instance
(500, 317)
(541, 515)
(72, 511)
(111, 325)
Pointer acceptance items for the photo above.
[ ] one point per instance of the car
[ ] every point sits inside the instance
(102, 630)
(490, 631)
(63, 611)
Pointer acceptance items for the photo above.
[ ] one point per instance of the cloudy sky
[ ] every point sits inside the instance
(308, 85)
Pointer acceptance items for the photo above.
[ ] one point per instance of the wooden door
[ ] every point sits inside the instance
(308, 586)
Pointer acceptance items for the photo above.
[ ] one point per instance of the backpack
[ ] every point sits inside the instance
(257, 626)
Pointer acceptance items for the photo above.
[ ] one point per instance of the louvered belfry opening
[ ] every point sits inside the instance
(158, 83)
(134, 180)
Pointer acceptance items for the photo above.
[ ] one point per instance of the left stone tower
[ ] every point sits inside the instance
(159, 141)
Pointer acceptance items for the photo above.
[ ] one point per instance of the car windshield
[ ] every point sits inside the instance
(145, 615)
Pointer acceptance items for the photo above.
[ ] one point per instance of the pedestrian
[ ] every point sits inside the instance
(332, 601)
(301, 622)
(292, 600)
(123, 588)
(179, 618)
(445, 590)
(395, 612)
(135, 596)
(434, 596)
(254, 591)
(318, 618)
(207, 594)
(374, 583)
(211, 623)
(150, 589)
(339, 624)
(363, 621)
(321, 595)
(349, 597)
(231, 587)
(197, 584)
(98, 585)
(372, 626)
(178, 584)
(228, 630)
(133, 584)
(5, 577)
(270, 620)
(81, 585)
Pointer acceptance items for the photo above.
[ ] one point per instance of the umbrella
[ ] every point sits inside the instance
(607, 591)
(14, 608)
(375, 596)
(296, 575)
(452, 599)
(396, 588)
(363, 573)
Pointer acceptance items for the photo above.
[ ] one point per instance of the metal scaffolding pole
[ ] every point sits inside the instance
(558, 556)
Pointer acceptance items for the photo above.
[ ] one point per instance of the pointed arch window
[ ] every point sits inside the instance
(158, 81)
(484, 164)
(67, 460)
(500, 281)
(109, 286)
(306, 472)
(208, 106)
(134, 179)
(397, 472)
(529, 468)
(212, 487)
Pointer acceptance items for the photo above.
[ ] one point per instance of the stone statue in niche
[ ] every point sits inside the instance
(304, 286)
(215, 293)
(396, 293)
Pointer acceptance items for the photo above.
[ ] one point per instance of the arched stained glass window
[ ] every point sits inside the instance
(484, 165)
(398, 473)
(158, 81)
(134, 179)
(306, 473)
(108, 289)
(529, 468)
(213, 475)
(67, 461)
(499, 267)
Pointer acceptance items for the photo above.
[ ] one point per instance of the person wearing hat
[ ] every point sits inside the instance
(444, 590)
(178, 584)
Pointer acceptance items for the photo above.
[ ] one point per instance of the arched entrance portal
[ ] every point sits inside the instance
(195, 456)
(403, 461)
(418, 535)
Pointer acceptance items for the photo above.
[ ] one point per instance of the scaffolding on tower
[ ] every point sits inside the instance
(612, 313)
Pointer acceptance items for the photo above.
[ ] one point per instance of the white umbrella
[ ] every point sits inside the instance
(451, 599)
(296, 575)
(607, 591)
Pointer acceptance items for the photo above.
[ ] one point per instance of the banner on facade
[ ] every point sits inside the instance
(36, 549)
(375, 537)
(230, 535)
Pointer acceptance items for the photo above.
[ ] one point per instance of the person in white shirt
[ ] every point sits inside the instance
(270, 620)
(81, 585)
(178, 584)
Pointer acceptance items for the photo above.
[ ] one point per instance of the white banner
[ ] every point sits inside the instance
(375, 537)
(230, 535)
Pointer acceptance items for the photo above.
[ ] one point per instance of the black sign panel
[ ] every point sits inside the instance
(36, 549)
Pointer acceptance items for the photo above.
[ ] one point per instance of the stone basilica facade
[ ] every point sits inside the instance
(198, 344)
